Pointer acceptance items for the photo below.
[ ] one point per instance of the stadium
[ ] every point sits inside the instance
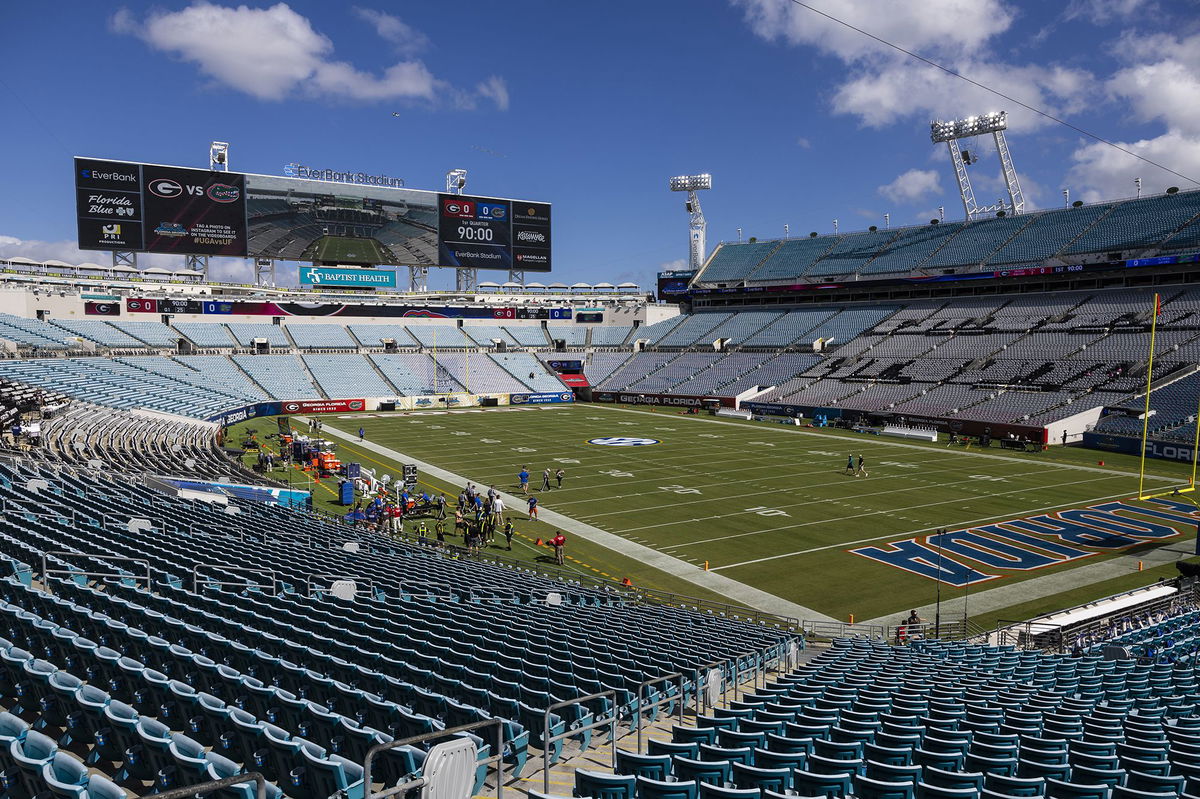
(906, 512)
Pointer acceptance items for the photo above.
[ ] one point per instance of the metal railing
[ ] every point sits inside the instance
(547, 740)
(841, 629)
(196, 581)
(58, 553)
(421, 590)
(419, 782)
(200, 789)
(666, 699)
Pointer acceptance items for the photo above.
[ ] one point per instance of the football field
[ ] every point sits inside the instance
(774, 507)
(347, 249)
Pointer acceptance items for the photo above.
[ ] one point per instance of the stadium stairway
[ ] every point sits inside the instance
(379, 371)
(313, 378)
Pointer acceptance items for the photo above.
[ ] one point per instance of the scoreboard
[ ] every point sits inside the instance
(123, 205)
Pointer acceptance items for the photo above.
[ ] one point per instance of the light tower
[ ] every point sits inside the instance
(464, 279)
(697, 245)
(951, 132)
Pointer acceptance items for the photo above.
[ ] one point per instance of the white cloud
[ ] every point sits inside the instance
(1101, 12)
(496, 90)
(803, 143)
(404, 37)
(274, 53)
(911, 186)
(1162, 85)
(671, 266)
(882, 86)
(941, 25)
(1102, 172)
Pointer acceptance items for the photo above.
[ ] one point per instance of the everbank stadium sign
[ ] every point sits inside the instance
(334, 176)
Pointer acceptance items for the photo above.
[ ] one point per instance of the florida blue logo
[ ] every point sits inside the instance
(623, 441)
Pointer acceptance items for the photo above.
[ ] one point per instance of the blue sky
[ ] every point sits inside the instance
(592, 106)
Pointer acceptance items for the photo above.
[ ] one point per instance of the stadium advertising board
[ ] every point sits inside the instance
(324, 406)
(135, 305)
(674, 283)
(678, 400)
(326, 277)
(150, 208)
(541, 399)
(1129, 445)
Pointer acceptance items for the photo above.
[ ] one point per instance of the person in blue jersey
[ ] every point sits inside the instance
(362, 434)
(523, 479)
(533, 507)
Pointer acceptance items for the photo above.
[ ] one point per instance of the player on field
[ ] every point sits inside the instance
(546, 479)
(862, 469)
(523, 478)
(849, 464)
(533, 508)
(559, 475)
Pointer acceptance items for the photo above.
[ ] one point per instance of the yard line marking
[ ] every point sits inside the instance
(844, 544)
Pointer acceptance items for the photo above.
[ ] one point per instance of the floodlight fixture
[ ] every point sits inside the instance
(941, 130)
(691, 182)
(950, 131)
(218, 156)
(697, 226)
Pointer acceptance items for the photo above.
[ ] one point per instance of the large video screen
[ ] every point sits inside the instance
(149, 208)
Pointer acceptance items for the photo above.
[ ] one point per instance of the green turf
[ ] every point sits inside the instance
(347, 249)
(764, 504)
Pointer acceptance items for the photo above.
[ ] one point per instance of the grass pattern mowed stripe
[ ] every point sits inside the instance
(762, 504)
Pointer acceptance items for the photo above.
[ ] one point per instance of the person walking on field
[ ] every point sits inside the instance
(523, 479)
(533, 507)
(559, 475)
(546, 479)
(849, 464)
(508, 534)
(862, 469)
(559, 542)
(361, 434)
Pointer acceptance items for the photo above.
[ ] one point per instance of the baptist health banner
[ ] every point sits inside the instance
(350, 278)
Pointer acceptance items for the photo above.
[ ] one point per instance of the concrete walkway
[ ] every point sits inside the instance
(736, 591)
(1006, 596)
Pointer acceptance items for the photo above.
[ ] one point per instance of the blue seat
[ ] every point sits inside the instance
(891, 772)
(867, 788)
(689, 749)
(741, 755)
(656, 767)
(829, 765)
(1031, 768)
(657, 789)
(710, 791)
(926, 791)
(838, 750)
(783, 743)
(324, 775)
(699, 735)
(899, 756)
(12, 728)
(941, 778)
(30, 755)
(1155, 783)
(946, 761)
(1085, 775)
(1061, 789)
(598, 785)
(1124, 792)
(760, 778)
(806, 783)
(769, 758)
(65, 775)
(991, 765)
(719, 772)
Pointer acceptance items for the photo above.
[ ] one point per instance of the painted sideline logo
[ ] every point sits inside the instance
(1034, 542)
(623, 441)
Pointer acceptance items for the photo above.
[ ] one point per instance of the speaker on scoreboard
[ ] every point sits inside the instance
(560, 345)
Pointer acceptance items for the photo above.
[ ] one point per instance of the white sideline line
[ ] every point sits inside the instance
(947, 451)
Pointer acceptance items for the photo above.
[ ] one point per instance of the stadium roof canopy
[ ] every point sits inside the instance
(92, 267)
